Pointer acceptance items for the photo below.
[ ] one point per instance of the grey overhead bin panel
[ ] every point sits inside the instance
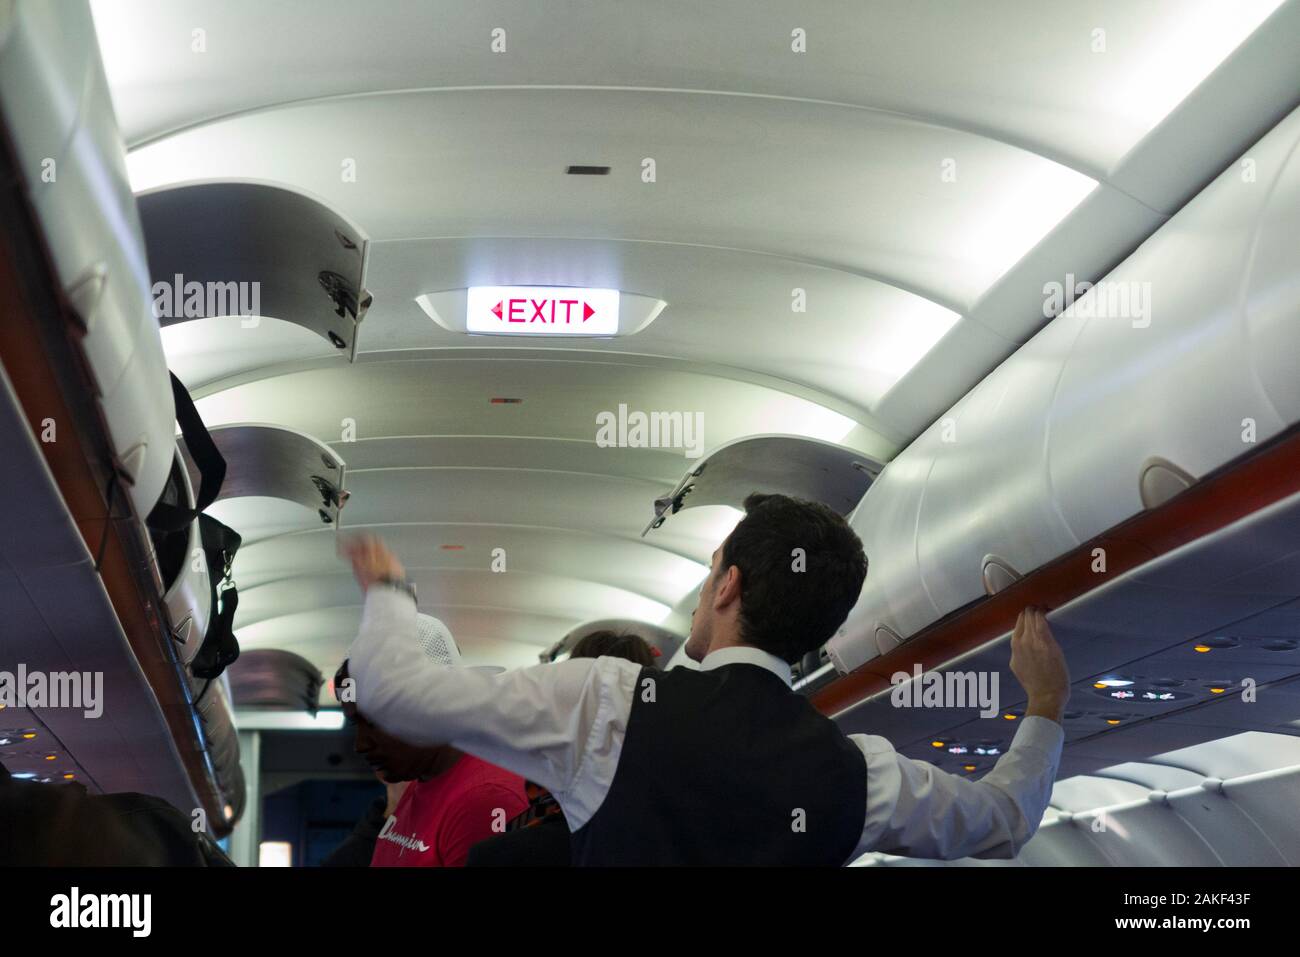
(1180, 390)
(273, 462)
(216, 710)
(785, 464)
(1181, 360)
(58, 110)
(276, 680)
(257, 250)
(886, 522)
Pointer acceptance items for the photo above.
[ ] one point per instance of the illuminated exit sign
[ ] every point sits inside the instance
(541, 311)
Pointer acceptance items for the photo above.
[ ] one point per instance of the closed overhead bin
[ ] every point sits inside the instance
(1178, 362)
(60, 116)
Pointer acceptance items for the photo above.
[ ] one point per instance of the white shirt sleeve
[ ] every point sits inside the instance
(559, 725)
(916, 810)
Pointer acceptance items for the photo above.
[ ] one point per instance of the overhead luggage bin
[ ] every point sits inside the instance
(271, 679)
(1117, 406)
(781, 464)
(252, 249)
(268, 461)
(58, 110)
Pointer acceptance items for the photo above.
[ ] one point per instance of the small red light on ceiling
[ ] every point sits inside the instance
(501, 400)
(453, 548)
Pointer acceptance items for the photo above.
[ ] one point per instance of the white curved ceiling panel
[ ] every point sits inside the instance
(257, 518)
(633, 564)
(848, 335)
(867, 198)
(445, 588)
(1029, 73)
(502, 636)
(204, 350)
(515, 451)
(562, 397)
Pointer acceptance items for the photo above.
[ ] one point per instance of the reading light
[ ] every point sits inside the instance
(1009, 717)
(936, 744)
(1202, 648)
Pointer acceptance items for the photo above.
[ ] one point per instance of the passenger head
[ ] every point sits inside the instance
(393, 759)
(784, 580)
(632, 647)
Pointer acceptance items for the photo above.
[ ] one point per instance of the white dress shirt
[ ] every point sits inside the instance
(562, 726)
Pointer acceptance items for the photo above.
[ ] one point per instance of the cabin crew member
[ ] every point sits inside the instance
(454, 800)
(540, 837)
(724, 765)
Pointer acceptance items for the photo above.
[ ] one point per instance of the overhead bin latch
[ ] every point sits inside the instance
(997, 574)
(1160, 480)
(341, 294)
(671, 503)
(332, 498)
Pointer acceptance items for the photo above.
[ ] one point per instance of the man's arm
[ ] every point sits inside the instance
(916, 810)
(560, 725)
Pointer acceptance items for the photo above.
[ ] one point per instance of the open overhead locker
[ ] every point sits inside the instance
(250, 249)
(781, 464)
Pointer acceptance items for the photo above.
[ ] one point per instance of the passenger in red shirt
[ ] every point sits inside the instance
(454, 799)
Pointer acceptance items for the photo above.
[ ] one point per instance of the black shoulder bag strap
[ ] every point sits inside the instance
(206, 457)
(220, 648)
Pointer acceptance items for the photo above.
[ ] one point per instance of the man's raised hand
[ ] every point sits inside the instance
(1039, 664)
(371, 560)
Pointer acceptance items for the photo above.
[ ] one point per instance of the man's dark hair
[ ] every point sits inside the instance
(788, 606)
(632, 647)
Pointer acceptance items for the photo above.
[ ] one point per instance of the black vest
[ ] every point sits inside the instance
(727, 766)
